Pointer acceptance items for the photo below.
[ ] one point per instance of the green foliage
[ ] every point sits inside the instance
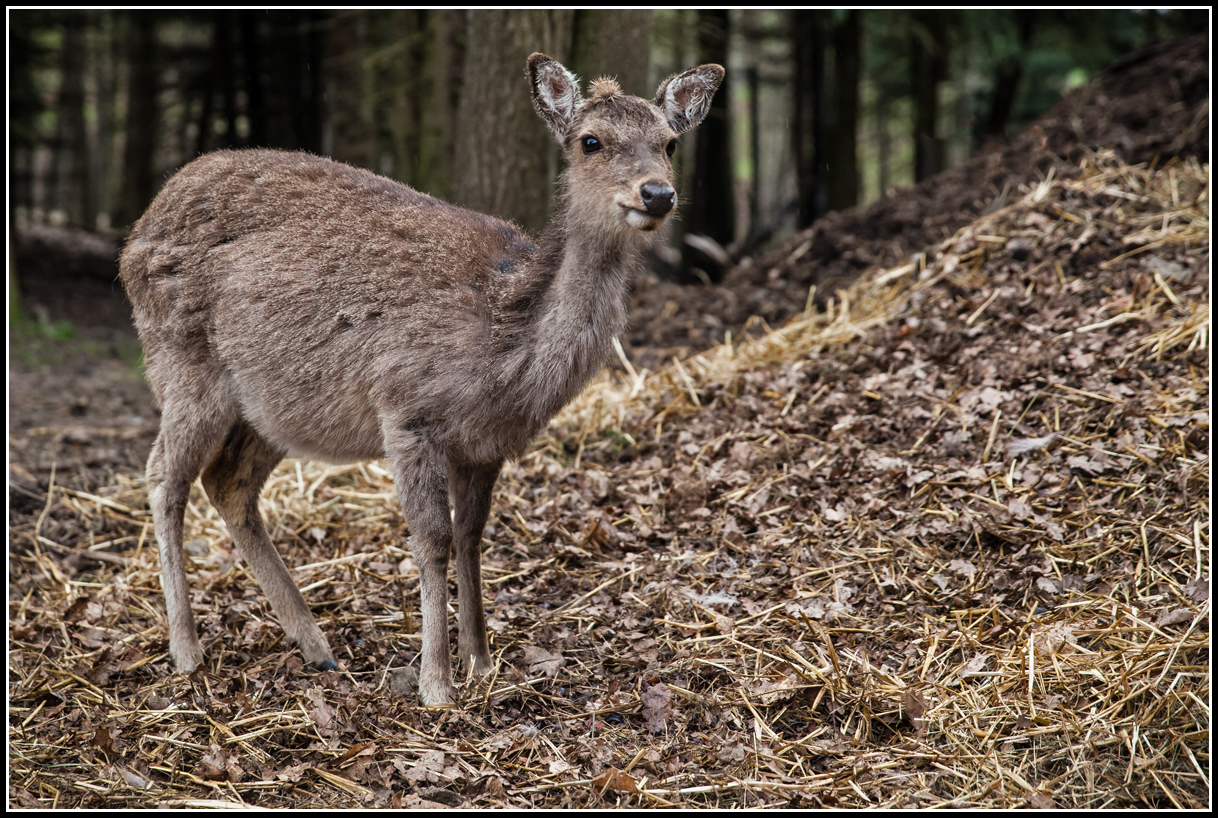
(37, 340)
(33, 41)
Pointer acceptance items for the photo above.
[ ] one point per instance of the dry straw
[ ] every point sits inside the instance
(821, 566)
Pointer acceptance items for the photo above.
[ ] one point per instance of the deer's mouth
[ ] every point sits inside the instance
(642, 220)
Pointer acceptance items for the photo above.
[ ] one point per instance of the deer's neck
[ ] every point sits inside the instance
(569, 305)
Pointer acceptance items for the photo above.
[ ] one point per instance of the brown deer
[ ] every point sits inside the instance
(291, 304)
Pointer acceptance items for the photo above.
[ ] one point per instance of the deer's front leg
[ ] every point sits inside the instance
(422, 483)
(471, 494)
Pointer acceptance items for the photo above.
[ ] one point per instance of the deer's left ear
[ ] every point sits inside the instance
(556, 93)
(685, 98)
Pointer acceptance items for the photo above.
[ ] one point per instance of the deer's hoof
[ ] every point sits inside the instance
(317, 651)
(186, 657)
(436, 694)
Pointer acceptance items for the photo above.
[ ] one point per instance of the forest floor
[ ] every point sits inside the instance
(912, 511)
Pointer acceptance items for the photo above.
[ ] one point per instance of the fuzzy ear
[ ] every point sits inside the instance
(685, 98)
(556, 93)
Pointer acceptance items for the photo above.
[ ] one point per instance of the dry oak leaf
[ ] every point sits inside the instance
(614, 779)
(657, 707)
(216, 765)
(542, 662)
(774, 690)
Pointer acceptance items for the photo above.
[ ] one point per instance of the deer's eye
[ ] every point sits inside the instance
(591, 144)
(671, 148)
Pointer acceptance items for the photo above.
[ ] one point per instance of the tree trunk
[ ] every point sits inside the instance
(1008, 73)
(75, 184)
(439, 56)
(252, 46)
(226, 76)
(506, 161)
(709, 203)
(928, 69)
(614, 43)
(808, 127)
(754, 81)
(345, 134)
(143, 119)
(843, 170)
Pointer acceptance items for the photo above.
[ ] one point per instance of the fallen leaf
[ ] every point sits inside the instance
(133, 779)
(217, 765)
(322, 714)
(962, 567)
(974, 665)
(657, 707)
(774, 690)
(1041, 800)
(614, 779)
(542, 662)
(1175, 617)
(429, 767)
(103, 740)
(1054, 640)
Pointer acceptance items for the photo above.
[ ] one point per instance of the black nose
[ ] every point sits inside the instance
(658, 199)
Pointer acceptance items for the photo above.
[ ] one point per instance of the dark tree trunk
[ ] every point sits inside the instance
(928, 69)
(754, 80)
(74, 182)
(437, 53)
(226, 76)
(808, 128)
(252, 46)
(347, 137)
(709, 203)
(884, 142)
(843, 169)
(207, 91)
(109, 55)
(143, 118)
(1008, 74)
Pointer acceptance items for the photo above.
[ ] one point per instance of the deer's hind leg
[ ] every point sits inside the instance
(187, 440)
(233, 481)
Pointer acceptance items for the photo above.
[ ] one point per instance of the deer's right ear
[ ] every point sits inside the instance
(555, 93)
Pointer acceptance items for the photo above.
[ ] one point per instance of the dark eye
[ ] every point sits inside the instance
(672, 146)
(591, 144)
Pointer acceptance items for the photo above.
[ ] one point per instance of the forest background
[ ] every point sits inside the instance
(821, 110)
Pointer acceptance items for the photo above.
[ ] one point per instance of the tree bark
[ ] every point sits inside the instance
(614, 43)
(75, 184)
(709, 203)
(506, 160)
(843, 171)
(808, 126)
(929, 68)
(252, 46)
(143, 118)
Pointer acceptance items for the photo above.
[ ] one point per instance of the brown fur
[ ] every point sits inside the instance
(289, 304)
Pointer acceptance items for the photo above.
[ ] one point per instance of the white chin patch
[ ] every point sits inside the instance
(641, 221)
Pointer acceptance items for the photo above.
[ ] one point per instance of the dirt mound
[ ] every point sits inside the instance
(1149, 106)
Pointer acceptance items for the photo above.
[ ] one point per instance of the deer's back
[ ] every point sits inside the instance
(316, 298)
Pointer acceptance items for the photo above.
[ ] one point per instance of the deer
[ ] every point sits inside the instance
(289, 304)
